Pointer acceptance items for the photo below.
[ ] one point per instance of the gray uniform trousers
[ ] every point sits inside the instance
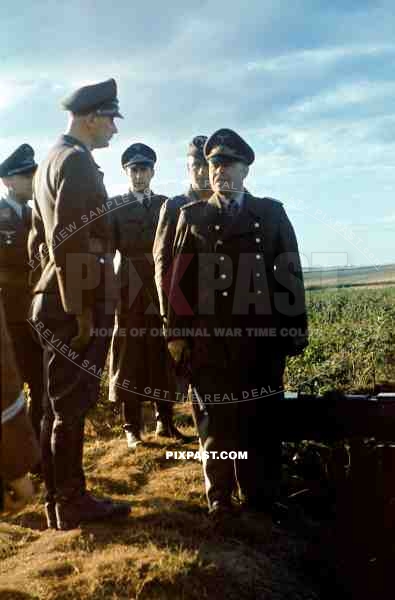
(73, 387)
(233, 420)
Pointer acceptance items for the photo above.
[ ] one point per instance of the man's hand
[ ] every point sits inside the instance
(179, 351)
(18, 495)
(85, 326)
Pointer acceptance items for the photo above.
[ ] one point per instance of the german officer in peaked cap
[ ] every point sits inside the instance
(75, 297)
(199, 189)
(20, 162)
(16, 173)
(229, 145)
(140, 359)
(237, 277)
(139, 154)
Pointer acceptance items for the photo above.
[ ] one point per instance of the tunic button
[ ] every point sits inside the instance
(222, 258)
(257, 240)
(258, 274)
(224, 293)
(219, 242)
(223, 276)
(258, 256)
(259, 292)
(101, 260)
(256, 225)
(217, 227)
(8, 242)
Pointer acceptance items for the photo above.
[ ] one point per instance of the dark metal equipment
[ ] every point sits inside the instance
(336, 416)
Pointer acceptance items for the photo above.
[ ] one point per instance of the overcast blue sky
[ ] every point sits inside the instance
(309, 84)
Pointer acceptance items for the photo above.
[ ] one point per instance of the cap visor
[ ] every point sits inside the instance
(23, 170)
(108, 113)
(142, 163)
(226, 156)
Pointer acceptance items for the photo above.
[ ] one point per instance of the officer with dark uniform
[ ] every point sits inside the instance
(75, 297)
(238, 278)
(138, 351)
(199, 189)
(16, 173)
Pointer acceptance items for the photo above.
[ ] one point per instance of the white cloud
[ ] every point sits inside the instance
(13, 91)
(318, 57)
(345, 95)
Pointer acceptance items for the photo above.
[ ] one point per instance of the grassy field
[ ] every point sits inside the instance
(350, 276)
(352, 342)
(168, 549)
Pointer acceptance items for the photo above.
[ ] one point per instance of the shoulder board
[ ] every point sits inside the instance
(192, 204)
(70, 144)
(178, 197)
(273, 200)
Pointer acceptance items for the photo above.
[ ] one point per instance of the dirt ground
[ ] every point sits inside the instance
(168, 549)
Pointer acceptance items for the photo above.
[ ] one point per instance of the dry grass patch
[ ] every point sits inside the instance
(168, 549)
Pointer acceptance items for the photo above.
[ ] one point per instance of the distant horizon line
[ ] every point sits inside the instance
(347, 267)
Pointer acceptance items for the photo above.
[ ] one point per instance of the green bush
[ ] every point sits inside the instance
(352, 342)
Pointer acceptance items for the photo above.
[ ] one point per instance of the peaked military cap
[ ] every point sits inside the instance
(138, 154)
(196, 146)
(19, 162)
(230, 144)
(100, 98)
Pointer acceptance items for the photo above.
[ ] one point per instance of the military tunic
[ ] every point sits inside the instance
(237, 297)
(17, 296)
(138, 358)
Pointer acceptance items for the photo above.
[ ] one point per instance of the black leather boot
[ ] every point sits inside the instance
(67, 450)
(85, 508)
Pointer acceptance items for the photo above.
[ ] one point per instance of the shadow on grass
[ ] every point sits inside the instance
(15, 595)
(105, 485)
(32, 519)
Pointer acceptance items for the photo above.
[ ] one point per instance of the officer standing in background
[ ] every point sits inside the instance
(138, 351)
(237, 275)
(163, 245)
(16, 173)
(75, 296)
